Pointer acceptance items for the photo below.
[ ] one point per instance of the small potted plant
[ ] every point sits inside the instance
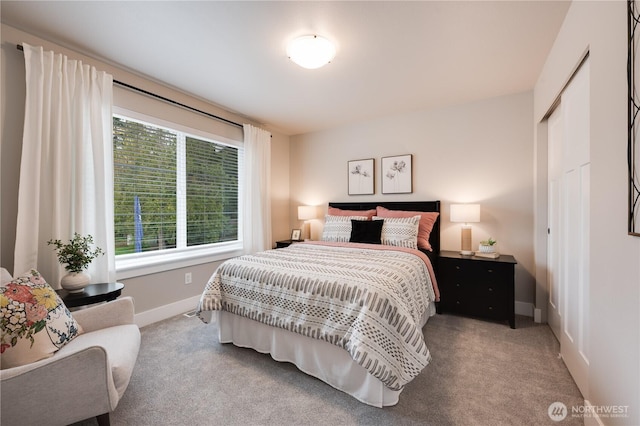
(487, 246)
(77, 254)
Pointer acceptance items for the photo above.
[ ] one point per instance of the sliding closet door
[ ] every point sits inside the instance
(569, 198)
(554, 230)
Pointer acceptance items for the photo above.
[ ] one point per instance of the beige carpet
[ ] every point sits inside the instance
(482, 373)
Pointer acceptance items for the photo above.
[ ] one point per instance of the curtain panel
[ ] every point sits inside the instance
(66, 170)
(256, 222)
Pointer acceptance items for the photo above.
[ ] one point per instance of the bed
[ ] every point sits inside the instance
(328, 307)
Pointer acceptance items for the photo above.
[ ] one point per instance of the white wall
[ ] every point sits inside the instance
(150, 291)
(480, 152)
(614, 348)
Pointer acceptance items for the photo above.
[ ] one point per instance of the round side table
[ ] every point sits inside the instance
(93, 293)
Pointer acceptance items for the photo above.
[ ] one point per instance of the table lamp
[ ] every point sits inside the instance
(465, 213)
(306, 213)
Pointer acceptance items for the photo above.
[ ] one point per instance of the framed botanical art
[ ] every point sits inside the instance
(397, 174)
(295, 235)
(360, 176)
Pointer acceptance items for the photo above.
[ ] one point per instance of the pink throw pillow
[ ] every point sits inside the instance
(427, 219)
(334, 211)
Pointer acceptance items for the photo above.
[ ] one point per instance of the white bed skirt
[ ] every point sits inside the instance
(325, 361)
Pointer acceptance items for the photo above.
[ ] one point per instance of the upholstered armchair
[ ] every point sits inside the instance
(85, 378)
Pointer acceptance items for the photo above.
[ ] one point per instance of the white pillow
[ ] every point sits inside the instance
(337, 229)
(400, 231)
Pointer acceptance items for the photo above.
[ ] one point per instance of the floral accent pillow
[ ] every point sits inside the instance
(34, 321)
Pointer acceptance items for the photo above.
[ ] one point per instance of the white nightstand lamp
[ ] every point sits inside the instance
(306, 213)
(465, 213)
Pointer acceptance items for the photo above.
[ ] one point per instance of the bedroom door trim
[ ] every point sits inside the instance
(554, 252)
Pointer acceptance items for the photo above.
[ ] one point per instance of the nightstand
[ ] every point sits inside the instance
(477, 286)
(285, 243)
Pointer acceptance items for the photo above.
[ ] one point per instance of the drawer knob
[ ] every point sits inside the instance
(457, 284)
(457, 267)
(457, 302)
(491, 308)
(490, 288)
(490, 270)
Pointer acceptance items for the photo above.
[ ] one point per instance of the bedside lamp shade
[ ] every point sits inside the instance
(465, 213)
(306, 213)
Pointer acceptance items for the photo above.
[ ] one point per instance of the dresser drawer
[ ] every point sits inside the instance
(477, 287)
(474, 271)
(479, 299)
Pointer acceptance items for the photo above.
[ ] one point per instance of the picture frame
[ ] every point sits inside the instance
(397, 174)
(361, 176)
(295, 235)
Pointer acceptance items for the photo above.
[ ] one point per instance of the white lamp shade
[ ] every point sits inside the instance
(306, 212)
(465, 213)
(311, 51)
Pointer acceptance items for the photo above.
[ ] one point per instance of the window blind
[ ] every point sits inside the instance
(172, 190)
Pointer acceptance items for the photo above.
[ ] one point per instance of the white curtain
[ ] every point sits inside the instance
(66, 171)
(257, 190)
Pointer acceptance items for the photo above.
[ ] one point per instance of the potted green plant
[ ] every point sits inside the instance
(77, 254)
(487, 246)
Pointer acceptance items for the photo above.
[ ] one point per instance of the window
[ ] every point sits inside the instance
(175, 193)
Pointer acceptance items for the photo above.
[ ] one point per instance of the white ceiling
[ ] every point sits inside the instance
(392, 57)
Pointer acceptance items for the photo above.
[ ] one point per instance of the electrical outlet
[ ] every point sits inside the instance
(187, 278)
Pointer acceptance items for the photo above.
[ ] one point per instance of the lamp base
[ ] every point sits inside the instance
(306, 230)
(465, 241)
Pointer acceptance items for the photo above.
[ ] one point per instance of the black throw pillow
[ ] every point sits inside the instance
(366, 231)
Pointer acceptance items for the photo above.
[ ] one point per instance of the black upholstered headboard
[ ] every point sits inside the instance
(418, 206)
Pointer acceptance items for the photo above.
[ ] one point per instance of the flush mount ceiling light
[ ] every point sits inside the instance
(311, 51)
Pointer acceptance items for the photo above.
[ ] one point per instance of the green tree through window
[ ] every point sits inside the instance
(212, 192)
(148, 165)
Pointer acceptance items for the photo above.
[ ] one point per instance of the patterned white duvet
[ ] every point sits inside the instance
(367, 299)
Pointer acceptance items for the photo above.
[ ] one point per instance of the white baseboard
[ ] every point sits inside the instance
(524, 308)
(592, 419)
(537, 315)
(166, 311)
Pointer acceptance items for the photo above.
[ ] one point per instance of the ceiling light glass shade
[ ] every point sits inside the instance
(311, 51)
